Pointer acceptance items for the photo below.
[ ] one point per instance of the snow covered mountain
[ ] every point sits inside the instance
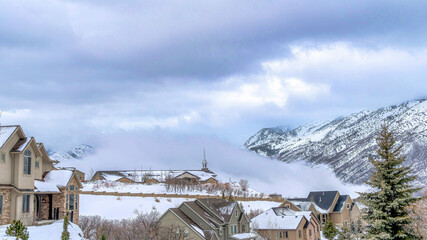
(75, 153)
(345, 143)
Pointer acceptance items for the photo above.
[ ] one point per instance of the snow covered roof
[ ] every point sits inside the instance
(5, 133)
(244, 236)
(272, 220)
(53, 181)
(159, 175)
(21, 144)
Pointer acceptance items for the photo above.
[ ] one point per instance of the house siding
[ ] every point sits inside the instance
(170, 220)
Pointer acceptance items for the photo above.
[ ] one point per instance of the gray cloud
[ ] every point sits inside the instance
(81, 68)
(161, 150)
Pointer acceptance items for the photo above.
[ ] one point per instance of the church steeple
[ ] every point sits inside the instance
(204, 162)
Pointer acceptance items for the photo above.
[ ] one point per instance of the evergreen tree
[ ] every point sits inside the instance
(103, 237)
(65, 234)
(392, 192)
(330, 231)
(18, 229)
(345, 234)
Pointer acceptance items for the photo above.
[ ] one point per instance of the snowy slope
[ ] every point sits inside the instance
(111, 207)
(345, 143)
(46, 232)
(76, 153)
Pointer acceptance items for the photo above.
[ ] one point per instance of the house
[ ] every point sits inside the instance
(31, 190)
(159, 176)
(210, 219)
(283, 223)
(340, 209)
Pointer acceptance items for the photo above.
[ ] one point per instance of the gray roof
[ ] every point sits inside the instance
(323, 199)
(340, 203)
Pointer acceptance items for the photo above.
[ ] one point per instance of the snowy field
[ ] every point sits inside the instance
(160, 188)
(52, 231)
(112, 207)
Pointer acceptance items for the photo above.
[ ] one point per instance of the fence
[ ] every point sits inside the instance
(165, 195)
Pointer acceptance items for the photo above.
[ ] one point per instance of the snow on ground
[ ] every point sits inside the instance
(160, 188)
(46, 232)
(112, 207)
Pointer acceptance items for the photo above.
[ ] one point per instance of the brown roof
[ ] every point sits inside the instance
(220, 207)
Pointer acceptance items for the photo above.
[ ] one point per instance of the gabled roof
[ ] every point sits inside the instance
(219, 207)
(194, 226)
(5, 133)
(44, 153)
(323, 199)
(274, 219)
(159, 175)
(339, 206)
(23, 143)
(210, 219)
(54, 180)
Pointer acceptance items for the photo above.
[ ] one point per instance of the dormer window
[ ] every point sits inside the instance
(27, 162)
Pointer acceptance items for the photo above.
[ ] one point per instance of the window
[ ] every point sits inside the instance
(3, 158)
(1, 204)
(71, 202)
(76, 198)
(233, 229)
(243, 228)
(37, 164)
(345, 223)
(236, 213)
(71, 187)
(25, 203)
(27, 162)
(317, 228)
(309, 232)
(348, 205)
(299, 234)
(286, 234)
(324, 218)
(185, 232)
(280, 234)
(220, 231)
(287, 206)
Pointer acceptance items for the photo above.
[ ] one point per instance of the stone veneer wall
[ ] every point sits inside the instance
(5, 216)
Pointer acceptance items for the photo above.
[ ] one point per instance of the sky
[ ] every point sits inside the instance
(79, 71)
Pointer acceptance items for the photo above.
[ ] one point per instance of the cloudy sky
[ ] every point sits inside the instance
(77, 69)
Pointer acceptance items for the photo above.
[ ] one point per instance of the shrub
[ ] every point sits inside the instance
(18, 230)
(65, 234)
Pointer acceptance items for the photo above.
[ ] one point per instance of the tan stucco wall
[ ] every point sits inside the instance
(26, 218)
(6, 169)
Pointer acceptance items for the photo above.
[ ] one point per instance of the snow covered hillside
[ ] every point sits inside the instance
(69, 158)
(161, 188)
(51, 231)
(111, 207)
(345, 143)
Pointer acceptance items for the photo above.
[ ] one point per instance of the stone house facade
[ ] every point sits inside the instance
(31, 189)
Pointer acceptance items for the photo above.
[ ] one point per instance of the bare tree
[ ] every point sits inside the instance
(418, 213)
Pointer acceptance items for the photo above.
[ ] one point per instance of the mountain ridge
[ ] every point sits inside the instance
(345, 143)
